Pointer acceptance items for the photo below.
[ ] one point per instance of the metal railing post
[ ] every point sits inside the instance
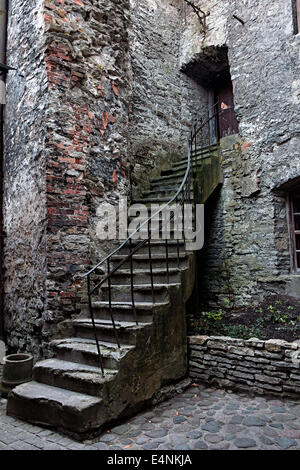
(94, 325)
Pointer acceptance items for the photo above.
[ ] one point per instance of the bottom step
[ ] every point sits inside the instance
(49, 406)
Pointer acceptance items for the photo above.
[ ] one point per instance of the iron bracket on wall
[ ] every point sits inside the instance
(202, 15)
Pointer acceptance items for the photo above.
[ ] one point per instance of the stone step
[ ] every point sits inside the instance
(143, 276)
(72, 376)
(161, 180)
(167, 191)
(150, 201)
(142, 292)
(158, 261)
(159, 227)
(200, 154)
(175, 171)
(122, 311)
(84, 351)
(157, 246)
(59, 408)
(127, 331)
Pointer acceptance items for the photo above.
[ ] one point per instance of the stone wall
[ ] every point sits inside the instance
(98, 93)
(25, 214)
(249, 230)
(66, 152)
(263, 367)
(164, 100)
(89, 79)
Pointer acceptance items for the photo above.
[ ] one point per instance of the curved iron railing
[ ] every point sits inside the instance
(203, 134)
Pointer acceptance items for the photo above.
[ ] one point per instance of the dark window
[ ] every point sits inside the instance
(296, 15)
(295, 227)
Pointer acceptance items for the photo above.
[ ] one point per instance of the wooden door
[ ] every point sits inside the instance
(227, 122)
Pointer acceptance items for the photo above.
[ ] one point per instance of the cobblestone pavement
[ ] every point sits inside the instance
(200, 418)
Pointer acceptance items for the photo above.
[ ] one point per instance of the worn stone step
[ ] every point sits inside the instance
(150, 201)
(161, 180)
(80, 378)
(158, 260)
(122, 311)
(45, 405)
(127, 330)
(142, 292)
(167, 191)
(201, 154)
(84, 351)
(175, 171)
(143, 276)
(157, 246)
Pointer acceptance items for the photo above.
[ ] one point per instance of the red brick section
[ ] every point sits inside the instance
(68, 211)
(74, 127)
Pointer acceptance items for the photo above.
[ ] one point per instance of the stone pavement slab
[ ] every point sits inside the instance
(201, 418)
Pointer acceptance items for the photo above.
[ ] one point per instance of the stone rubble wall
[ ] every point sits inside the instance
(263, 367)
(24, 198)
(249, 229)
(66, 152)
(89, 75)
(164, 100)
(99, 94)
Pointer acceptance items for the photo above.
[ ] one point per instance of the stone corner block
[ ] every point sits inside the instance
(198, 339)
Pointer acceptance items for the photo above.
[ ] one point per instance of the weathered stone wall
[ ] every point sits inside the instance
(77, 122)
(24, 168)
(249, 230)
(89, 88)
(101, 93)
(164, 100)
(264, 367)
(66, 152)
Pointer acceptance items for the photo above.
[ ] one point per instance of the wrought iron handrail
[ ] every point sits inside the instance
(183, 190)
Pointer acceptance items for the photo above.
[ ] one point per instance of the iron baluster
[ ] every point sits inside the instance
(110, 307)
(167, 262)
(177, 235)
(132, 282)
(94, 325)
(151, 271)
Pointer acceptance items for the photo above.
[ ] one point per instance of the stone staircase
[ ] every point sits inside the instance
(68, 391)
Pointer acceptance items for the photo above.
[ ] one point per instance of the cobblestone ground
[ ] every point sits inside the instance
(200, 418)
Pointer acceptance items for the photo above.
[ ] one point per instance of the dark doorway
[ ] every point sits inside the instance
(227, 123)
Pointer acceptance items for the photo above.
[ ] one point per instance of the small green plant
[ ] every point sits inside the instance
(260, 322)
(208, 322)
(213, 316)
(242, 331)
(226, 302)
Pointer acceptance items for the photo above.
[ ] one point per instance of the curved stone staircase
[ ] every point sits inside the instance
(68, 391)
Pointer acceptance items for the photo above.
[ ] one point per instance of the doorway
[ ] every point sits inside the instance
(221, 105)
